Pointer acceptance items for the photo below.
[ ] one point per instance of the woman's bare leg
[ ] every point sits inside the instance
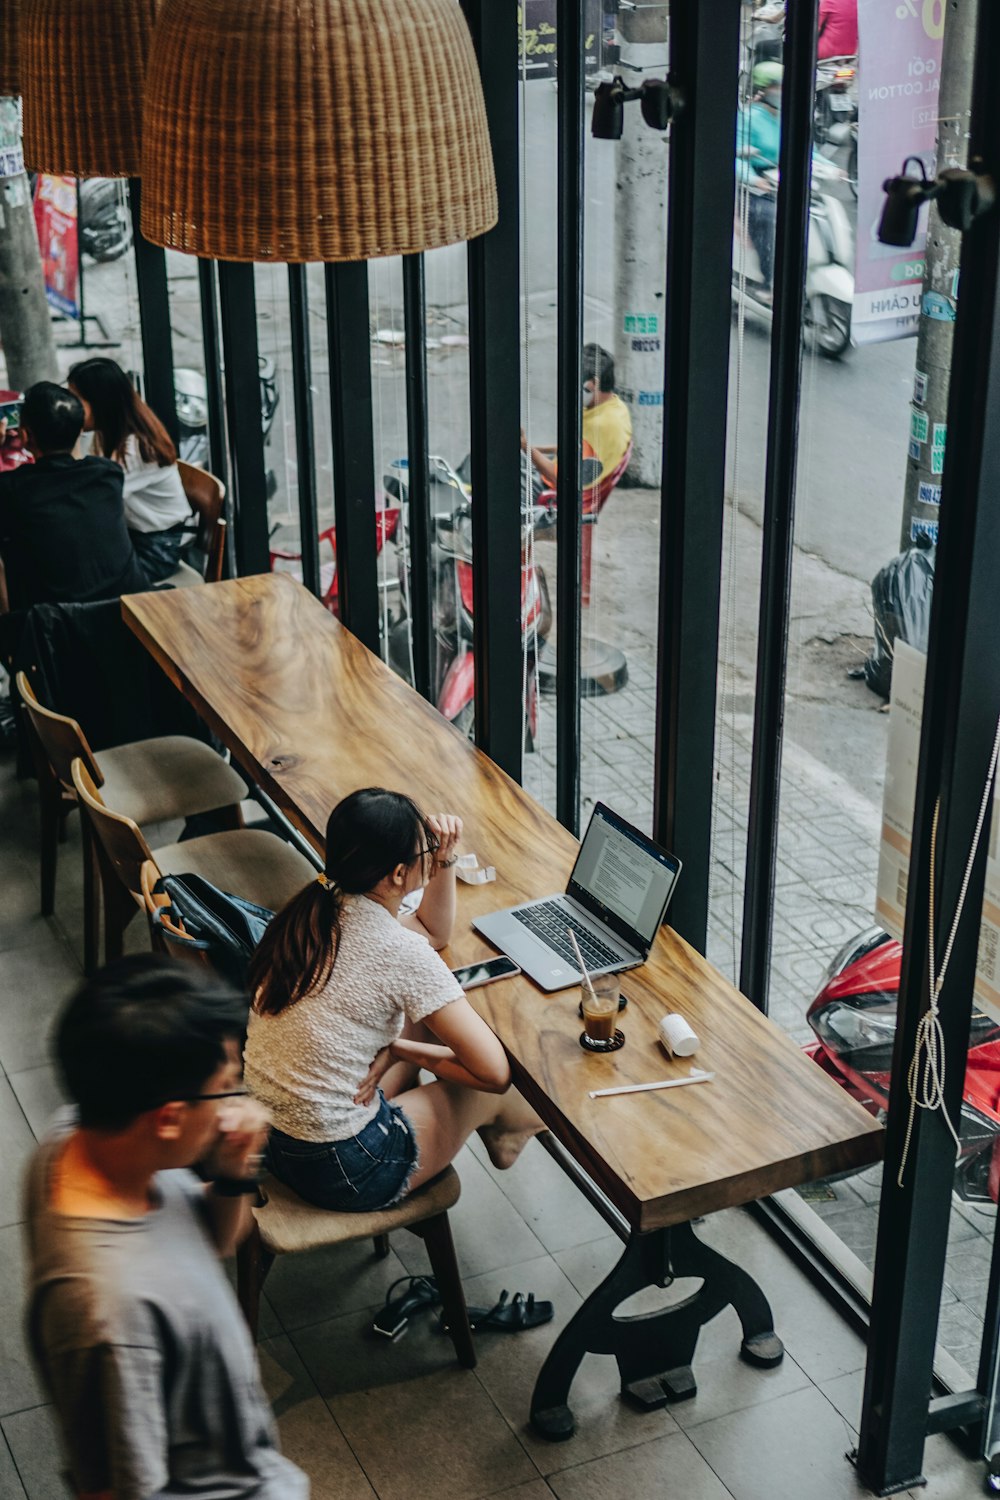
(444, 1115)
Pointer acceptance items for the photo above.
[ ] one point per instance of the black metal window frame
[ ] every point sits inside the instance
(154, 317)
(963, 683)
(704, 52)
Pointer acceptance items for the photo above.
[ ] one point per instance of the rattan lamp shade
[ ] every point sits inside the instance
(82, 68)
(10, 47)
(307, 130)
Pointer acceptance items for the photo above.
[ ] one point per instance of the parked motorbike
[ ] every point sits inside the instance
(191, 400)
(835, 117)
(453, 606)
(836, 96)
(829, 266)
(854, 1020)
(105, 218)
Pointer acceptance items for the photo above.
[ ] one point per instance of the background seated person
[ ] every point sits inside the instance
(607, 426)
(126, 430)
(350, 1001)
(62, 523)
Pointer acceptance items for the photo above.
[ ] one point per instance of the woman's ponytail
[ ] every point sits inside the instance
(296, 953)
(368, 835)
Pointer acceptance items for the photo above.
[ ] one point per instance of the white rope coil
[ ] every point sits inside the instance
(925, 1077)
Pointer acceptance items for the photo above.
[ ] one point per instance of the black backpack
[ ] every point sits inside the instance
(222, 927)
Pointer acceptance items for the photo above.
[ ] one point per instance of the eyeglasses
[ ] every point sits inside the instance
(202, 1098)
(432, 848)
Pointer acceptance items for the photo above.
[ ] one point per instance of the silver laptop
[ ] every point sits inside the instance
(615, 901)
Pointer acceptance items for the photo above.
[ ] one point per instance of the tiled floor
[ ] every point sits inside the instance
(400, 1421)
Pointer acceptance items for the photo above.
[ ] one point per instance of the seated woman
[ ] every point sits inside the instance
(126, 430)
(350, 1001)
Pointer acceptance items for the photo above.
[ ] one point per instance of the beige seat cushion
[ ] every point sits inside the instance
(288, 1225)
(170, 777)
(183, 577)
(248, 862)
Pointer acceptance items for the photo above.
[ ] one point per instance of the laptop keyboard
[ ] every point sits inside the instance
(550, 921)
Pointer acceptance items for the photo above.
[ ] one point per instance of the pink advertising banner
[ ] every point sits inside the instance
(899, 81)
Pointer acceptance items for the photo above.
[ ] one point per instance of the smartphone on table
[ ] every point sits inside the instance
(471, 976)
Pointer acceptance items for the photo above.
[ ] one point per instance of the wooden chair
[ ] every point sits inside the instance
(594, 499)
(248, 862)
(285, 1225)
(206, 496)
(171, 776)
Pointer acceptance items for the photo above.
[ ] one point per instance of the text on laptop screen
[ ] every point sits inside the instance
(629, 878)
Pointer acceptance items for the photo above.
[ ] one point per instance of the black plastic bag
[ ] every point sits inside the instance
(901, 596)
(224, 927)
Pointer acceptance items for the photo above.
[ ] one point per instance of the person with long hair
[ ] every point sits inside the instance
(351, 1000)
(127, 431)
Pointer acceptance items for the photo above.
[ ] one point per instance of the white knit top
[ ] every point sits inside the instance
(306, 1064)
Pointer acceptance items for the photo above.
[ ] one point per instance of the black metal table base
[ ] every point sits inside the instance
(654, 1350)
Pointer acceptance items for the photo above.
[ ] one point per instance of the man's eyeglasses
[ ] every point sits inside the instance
(202, 1098)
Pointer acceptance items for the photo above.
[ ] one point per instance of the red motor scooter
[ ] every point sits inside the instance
(854, 1020)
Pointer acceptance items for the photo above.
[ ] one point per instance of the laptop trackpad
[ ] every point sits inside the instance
(536, 958)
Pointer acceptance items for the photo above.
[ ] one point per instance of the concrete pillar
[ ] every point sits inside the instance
(641, 250)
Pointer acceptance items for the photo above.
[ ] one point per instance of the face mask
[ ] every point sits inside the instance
(588, 395)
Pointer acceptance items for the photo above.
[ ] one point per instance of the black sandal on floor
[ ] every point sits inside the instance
(513, 1316)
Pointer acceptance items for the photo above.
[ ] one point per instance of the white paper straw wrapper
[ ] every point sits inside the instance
(677, 1037)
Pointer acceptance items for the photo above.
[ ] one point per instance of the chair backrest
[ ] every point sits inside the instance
(121, 840)
(60, 737)
(595, 496)
(216, 554)
(156, 905)
(205, 495)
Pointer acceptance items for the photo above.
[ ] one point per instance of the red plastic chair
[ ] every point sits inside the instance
(594, 499)
(386, 522)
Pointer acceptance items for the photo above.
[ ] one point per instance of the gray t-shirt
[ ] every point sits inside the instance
(144, 1351)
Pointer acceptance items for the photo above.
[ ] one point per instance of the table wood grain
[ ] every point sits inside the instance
(311, 714)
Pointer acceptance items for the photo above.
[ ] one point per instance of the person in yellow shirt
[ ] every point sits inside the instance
(607, 426)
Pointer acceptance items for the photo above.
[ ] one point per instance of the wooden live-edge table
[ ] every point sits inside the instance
(311, 715)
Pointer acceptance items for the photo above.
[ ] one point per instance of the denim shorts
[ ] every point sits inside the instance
(370, 1170)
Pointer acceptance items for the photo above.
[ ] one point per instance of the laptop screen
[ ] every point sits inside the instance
(622, 877)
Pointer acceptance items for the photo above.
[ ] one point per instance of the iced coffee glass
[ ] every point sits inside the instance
(600, 1012)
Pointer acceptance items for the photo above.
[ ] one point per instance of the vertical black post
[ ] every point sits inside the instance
(988, 1382)
(353, 442)
(305, 440)
(704, 53)
(212, 350)
(795, 172)
(961, 707)
(420, 524)
(238, 307)
(154, 318)
(570, 39)
(495, 400)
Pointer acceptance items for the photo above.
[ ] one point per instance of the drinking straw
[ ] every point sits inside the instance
(579, 959)
(642, 1088)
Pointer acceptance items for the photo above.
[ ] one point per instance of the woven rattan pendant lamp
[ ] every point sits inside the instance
(82, 67)
(308, 130)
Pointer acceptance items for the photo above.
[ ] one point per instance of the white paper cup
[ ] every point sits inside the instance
(677, 1037)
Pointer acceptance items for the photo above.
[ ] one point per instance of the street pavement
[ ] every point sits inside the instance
(850, 483)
